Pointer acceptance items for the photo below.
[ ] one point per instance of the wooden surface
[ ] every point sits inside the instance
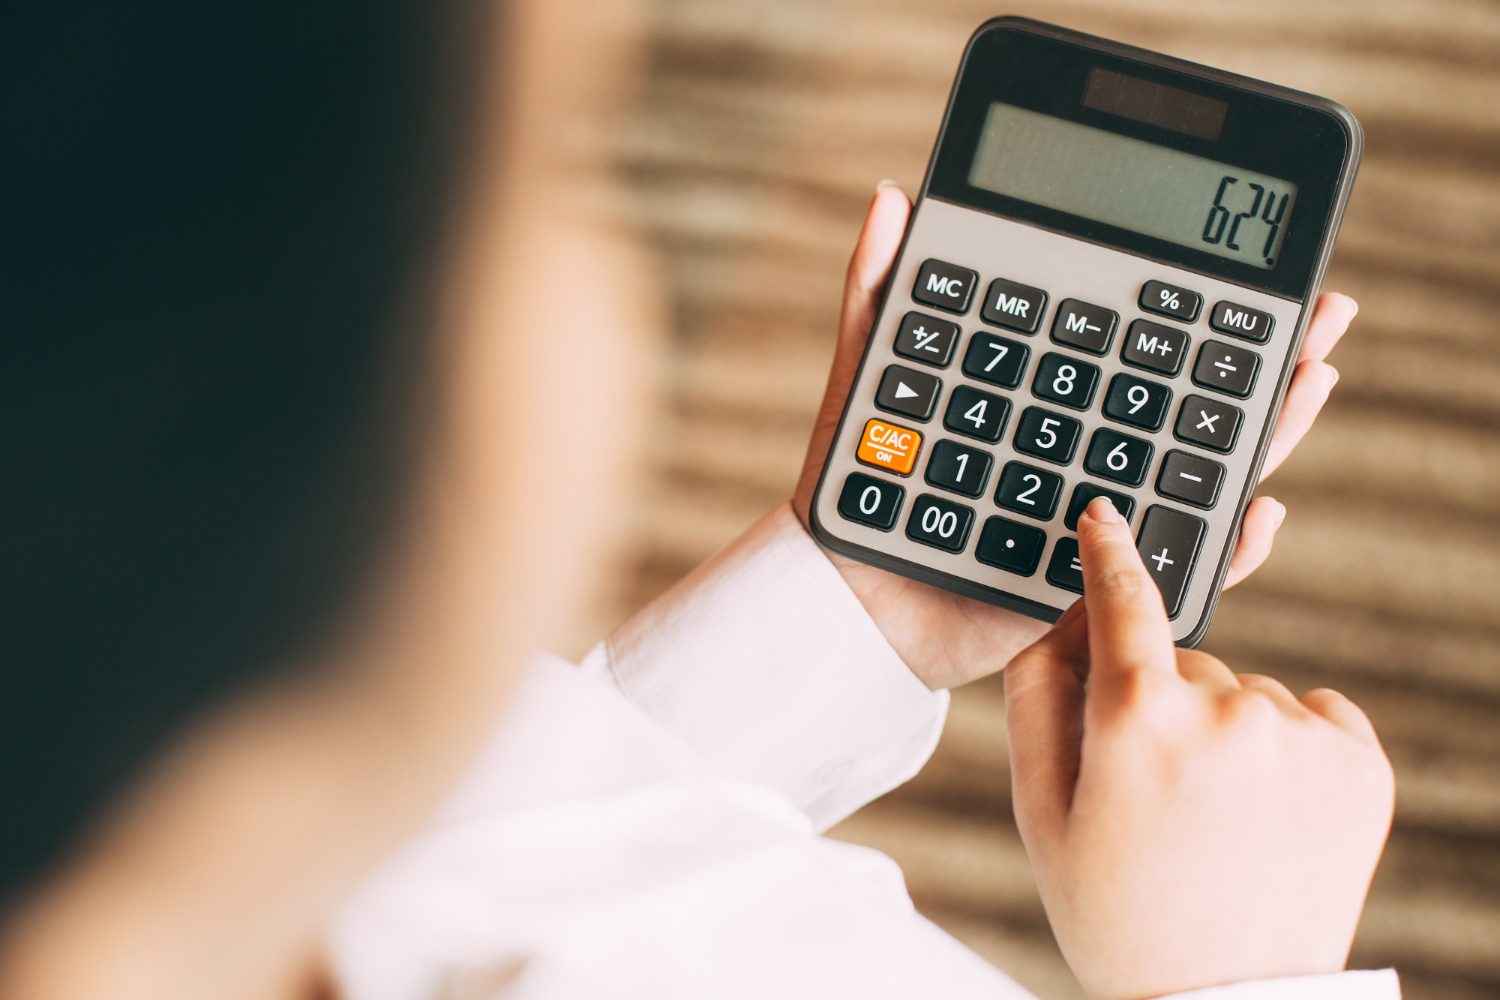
(760, 133)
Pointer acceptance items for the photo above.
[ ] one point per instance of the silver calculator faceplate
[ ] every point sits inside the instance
(1065, 267)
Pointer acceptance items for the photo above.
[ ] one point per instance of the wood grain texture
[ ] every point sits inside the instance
(753, 149)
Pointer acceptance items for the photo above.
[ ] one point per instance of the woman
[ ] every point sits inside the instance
(316, 375)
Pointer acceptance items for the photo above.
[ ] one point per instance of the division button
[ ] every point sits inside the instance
(1226, 368)
(1190, 478)
(926, 339)
(1156, 347)
(1085, 326)
(1064, 569)
(946, 286)
(1209, 422)
(1011, 545)
(1168, 544)
(1014, 306)
(1171, 300)
(871, 501)
(889, 446)
(1241, 321)
(907, 391)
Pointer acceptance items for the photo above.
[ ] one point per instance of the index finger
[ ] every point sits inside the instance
(1128, 628)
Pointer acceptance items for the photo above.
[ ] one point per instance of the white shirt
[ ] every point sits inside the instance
(647, 825)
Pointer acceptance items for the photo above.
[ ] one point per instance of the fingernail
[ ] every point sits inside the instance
(1335, 376)
(1280, 512)
(886, 182)
(1102, 510)
(1355, 303)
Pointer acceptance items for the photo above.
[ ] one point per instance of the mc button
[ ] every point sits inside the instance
(944, 286)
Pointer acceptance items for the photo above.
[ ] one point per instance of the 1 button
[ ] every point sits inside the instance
(977, 414)
(1241, 321)
(1168, 544)
(1226, 368)
(995, 360)
(1048, 435)
(1065, 380)
(1116, 456)
(1208, 422)
(1064, 569)
(940, 523)
(926, 339)
(1014, 306)
(1027, 490)
(946, 286)
(1190, 478)
(1137, 402)
(1159, 348)
(871, 501)
(1084, 326)
(958, 467)
(888, 446)
(1011, 545)
(903, 390)
(1170, 300)
(1084, 493)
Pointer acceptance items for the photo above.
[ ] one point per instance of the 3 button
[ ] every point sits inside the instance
(1084, 494)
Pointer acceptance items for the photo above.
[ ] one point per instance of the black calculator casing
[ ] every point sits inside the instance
(1077, 262)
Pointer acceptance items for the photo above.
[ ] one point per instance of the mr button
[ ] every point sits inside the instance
(888, 446)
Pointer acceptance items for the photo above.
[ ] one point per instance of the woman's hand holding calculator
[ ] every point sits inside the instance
(948, 639)
(1188, 826)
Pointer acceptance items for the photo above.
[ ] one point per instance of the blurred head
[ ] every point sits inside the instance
(318, 356)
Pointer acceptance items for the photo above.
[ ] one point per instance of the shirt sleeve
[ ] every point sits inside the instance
(764, 662)
(1375, 985)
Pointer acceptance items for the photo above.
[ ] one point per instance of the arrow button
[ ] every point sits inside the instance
(908, 392)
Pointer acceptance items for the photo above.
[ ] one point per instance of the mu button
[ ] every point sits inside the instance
(888, 446)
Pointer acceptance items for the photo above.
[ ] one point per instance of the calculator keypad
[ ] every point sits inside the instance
(996, 360)
(940, 523)
(978, 414)
(1226, 368)
(908, 391)
(1065, 380)
(1140, 392)
(926, 339)
(959, 468)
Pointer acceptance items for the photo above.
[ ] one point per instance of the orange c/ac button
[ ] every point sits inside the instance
(889, 446)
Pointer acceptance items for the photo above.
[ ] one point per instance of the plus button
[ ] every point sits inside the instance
(1161, 560)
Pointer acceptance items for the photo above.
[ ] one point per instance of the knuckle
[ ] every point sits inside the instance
(1119, 583)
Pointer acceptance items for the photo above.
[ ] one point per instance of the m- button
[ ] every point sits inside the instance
(944, 286)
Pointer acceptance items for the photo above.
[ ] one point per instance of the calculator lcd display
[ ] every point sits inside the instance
(1133, 184)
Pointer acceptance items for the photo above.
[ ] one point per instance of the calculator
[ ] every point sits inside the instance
(1102, 291)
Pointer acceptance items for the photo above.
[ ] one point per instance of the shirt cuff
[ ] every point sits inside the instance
(1377, 985)
(766, 663)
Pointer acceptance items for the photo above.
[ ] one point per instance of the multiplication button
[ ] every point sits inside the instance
(1168, 544)
(926, 339)
(1226, 368)
(1209, 422)
(945, 286)
(871, 501)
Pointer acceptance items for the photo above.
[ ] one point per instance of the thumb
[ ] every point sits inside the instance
(1044, 697)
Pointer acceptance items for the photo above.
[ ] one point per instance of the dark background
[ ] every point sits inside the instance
(759, 135)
